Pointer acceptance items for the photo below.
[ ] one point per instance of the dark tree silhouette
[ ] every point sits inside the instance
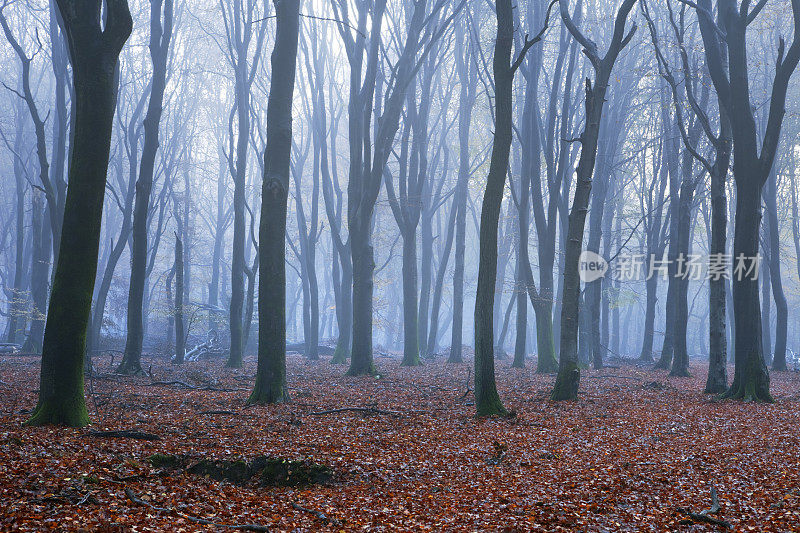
(270, 386)
(94, 49)
(566, 386)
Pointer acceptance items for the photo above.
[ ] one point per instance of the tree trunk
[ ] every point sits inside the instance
(410, 318)
(487, 400)
(95, 54)
(270, 386)
(781, 307)
(468, 83)
(568, 379)
(180, 330)
(680, 361)
(159, 52)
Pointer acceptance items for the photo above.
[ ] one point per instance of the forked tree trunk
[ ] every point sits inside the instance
(95, 52)
(160, 37)
(568, 379)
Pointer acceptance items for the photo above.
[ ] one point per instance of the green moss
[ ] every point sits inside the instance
(364, 369)
(270, 471)
(283, 472)
(567, 382)
(70, 413)
(340, 355)
(236, 471)
(546, 362)
(161, 460)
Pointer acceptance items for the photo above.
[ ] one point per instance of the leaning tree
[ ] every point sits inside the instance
(566, 386)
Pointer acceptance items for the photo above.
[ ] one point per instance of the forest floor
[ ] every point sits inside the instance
(639, 451)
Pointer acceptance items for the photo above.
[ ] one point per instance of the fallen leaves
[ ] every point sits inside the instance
(408, 453)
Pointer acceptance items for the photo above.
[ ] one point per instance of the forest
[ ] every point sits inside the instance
(443, 265)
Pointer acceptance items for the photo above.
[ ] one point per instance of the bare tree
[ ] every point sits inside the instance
(94, 49)
(566, 386)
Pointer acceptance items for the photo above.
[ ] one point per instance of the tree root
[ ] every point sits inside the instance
(242, 527)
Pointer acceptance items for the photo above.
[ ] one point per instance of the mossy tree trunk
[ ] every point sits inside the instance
(95, 52)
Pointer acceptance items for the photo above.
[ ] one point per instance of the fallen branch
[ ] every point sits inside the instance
(318, 515)
(370, 410)
(703, 516)
(217, 413)
(125, 434)
(612, 377)
(169, 383)
(243, 527)
(469, 374)
(192, 387)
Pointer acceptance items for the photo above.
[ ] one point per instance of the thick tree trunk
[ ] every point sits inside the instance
(270, 386)
(363, 266)
(95, 54)
(751, 378)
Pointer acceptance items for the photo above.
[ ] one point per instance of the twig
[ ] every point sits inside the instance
(317, 514)
(243, 527)
(217, 413)
(469, 375)
(85, 498)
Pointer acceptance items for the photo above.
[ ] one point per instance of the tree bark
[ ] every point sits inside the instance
(270, 386)
(95, 52)
(160, 37)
